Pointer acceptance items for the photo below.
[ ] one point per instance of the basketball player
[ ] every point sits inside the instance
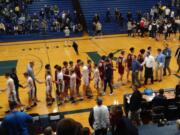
(71, 67)
(89, 65)
(140, 58)
(49, 86)
(60, 84)
(85, 77)
(111, 56)
(97, 80)
(55, 74)
(129, 62)
(66, 80)
(31, 91)
(78, 76)
(10, 88)
(47, 69)
(121, 65)
(101, 69)
(73, 86)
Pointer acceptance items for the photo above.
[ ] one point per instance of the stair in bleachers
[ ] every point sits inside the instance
(90, 7)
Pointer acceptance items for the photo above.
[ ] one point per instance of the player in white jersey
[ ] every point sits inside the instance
(73, 78)
(11, 92)
(31, 91)
(85, 76)
(97, 80)
(49, 85)
(60, 88)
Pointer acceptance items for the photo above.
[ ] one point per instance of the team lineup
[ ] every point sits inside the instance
(68, 77)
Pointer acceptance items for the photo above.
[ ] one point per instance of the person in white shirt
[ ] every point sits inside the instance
(97, 80)
(60, 89)
(85, 76)
(49, 86)
(99, 118)
(167, 12)
(67, 35)
(10, 88)
(149, 63)
(31, 91)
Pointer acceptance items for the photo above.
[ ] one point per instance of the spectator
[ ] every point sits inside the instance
(177, 91)
(98, 29)
(108, 15)
(99, 118)
(129, 27)
(135, 105)
(16, 123)
(117, 14)
(2, 28)
(159, 100)
(48, 131)
(121, 125)
(69, 126)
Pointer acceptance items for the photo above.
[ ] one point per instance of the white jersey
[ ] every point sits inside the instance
(73, 81)
(48, 83)
(30, 84)
(85, 72)
(67, 32)
(10, 86)
(60, 79)
(97, 79)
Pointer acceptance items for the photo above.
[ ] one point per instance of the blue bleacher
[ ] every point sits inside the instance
(90, 7)
(35, 8)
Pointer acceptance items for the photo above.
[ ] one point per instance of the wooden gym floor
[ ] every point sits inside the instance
(54, 52)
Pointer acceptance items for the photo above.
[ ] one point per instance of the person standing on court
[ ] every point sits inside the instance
(108, 74)
(75, 47)
(160, 63)
(16, 123)
(177, 55)
(99, 118)
(30, 72)
(167, 53)
(16, 83)
(149, 64)
(135, 71)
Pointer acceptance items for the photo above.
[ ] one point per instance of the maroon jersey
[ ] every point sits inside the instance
(120, 65)
(140, 58)
(101, 69)
(129, 61)
(90, 71)
(78, 74)
(66, 78)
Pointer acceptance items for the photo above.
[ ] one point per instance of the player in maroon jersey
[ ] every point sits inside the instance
(55, 74)
(121, 65)
(140, 58)
(89, 64)
(101, 69)
(111, 56)
(129, 62)
(66, 80)
(78, 75)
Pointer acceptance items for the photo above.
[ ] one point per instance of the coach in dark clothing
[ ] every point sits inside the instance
(16, 123)
(121, 125)
(135, 105)
(108, 73)
(16, 83)
(159, 100)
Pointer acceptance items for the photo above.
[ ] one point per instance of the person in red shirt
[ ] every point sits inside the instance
(79, 75)
(129, 62)
(121, 65)
(101, 69)
(140, 58)
(66, 79)
(142, 23)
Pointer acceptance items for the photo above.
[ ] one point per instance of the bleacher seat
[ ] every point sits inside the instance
(90, 7)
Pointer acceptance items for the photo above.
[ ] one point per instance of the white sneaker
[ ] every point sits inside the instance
(103, 93)
(111, 94)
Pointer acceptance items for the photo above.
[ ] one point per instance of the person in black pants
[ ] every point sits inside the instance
(108, 73)
(75, 47)
(16, 83)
